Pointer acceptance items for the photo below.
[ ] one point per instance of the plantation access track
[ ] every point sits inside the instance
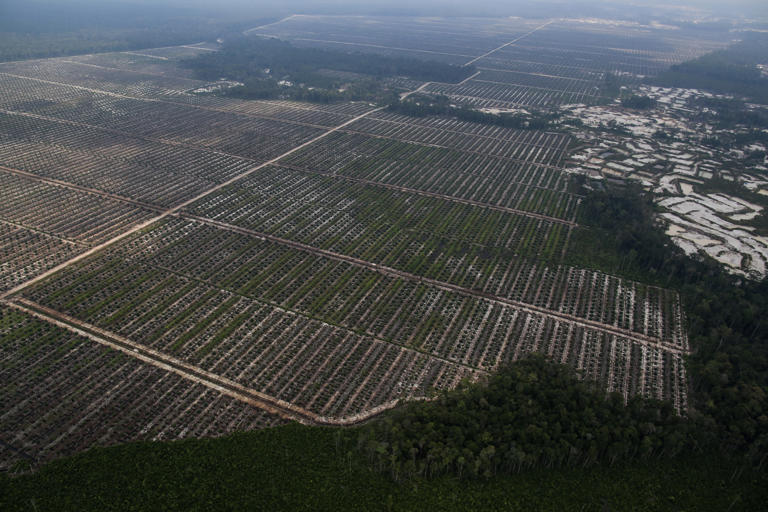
(510, 43)
(607, 329)
(169, 211)
(211, 380)
(341, 128)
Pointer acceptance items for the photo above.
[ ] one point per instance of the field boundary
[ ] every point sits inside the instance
(633, 336)
(211, 380)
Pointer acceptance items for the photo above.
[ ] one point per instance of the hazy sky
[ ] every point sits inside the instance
(759, 7)
(94, 12)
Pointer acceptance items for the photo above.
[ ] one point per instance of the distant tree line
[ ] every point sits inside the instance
(638, 102)
(20, 46)
(262, 63)
(40, 28)
(729, 71)
(531, 413)
(261, 89)
(422, 106)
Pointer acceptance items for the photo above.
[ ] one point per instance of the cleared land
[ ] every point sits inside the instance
(276, 260)
(522, 63)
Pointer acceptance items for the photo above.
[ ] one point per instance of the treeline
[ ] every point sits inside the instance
(638, 102)
(20, 46)
(729, 71)
(532, 413)
(609, 88)
(370, 90)
(261, 63)
(299, 468)
(729, 114)
(535, 414)
(727, 315)
(422, 106)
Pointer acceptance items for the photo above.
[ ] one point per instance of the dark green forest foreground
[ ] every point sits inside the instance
(531, 437)
(727, 316)
(270, 68)
(301, 468)
(531, 414)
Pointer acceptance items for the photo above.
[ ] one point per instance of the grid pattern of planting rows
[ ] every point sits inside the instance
(390, 257)
(68, 214)
(528, 145)
(147, 171)
(428, 38)
(485, 179)
(63, 79)
(440, 242)
(492, 95)
(129, 83)
(255, 138)
(567, 85)
(25, 253)
(43, 225)
(134, 61)
(246, 308)
(383, 226)
(324, 368)
(625, 51)
(567, 62)
(62, 394)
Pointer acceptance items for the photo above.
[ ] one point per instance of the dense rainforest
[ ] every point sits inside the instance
(297, 468)
(530, 414)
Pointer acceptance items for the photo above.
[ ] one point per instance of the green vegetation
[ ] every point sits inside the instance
(610, 88)
(38, 28)
(732, 188)
(638, 102)
(270, 68)
(729, 71)
(726, 315)
(20, 46)
(422, 106)
(530, 414)
(301, 468)
(738, 124)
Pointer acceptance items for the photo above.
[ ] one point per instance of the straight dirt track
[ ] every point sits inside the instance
(228, 387)
(173, 210)
(223, 385)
